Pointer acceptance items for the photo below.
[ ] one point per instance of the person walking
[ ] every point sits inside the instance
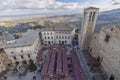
(34, 77)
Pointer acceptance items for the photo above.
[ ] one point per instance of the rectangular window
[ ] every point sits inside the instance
(59, 42)
(65, 41)
(14, 58)
(59, 37)
(65, 37)
(29, 56)
(68, 37)
(22, 57)
(107, 38)
(51, 37)
(56, 37)
(12, 52)
(48, 37)
(51, 41)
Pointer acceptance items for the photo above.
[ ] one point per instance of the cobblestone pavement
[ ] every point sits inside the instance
(84, 64)
(98, 72)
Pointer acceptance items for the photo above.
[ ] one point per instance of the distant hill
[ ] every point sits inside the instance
(111, 17)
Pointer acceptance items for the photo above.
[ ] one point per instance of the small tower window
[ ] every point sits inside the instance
(14, 58)
(48, 38)
(59, 37)
(22, 57)
(107, 38)
(56, 37)
(93, 16)
(91, 50)
(29, 56)
(90, 16)
(45, 37)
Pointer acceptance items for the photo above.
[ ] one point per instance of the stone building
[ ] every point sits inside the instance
(88, 26)
(106, 46)
(58, 34)
(103, 45)
(2, 66)
(23, 49)
(5, 59)
(5, 39)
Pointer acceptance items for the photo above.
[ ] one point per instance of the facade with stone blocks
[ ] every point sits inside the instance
(106, 46)
(24, 48)
(58, 34)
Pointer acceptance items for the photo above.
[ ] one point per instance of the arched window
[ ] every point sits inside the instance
(90, 16)
(93, 17)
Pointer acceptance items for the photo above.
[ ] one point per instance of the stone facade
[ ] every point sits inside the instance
(88, 26)
(2, 66)
(57, 37)
(6, 39)
(106, 46)
(59, 34)
(24, 48)
(5, 59)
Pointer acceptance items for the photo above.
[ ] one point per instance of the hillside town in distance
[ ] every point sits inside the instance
(62, 51)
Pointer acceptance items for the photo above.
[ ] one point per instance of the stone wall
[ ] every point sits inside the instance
(109, 52)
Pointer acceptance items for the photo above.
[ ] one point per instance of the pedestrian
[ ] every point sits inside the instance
(34, 77)
(20, 76)
(93, 78)
(5, 78)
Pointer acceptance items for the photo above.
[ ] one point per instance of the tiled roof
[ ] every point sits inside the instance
(118, 27)
(7, 37)
(26, 39)
(59, 27)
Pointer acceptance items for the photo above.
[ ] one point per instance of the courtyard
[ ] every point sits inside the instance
(60, 62)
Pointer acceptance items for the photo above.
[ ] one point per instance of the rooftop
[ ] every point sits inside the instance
(8, 37)
(59, 27)
(27, 39)
(112, 26)
(91, 8)
(118, 27)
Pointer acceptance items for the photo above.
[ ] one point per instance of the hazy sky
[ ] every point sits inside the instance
(18, 7)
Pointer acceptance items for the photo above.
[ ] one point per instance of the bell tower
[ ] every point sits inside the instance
(88, 26)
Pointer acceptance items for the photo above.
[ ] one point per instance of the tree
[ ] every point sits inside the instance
(32, 67)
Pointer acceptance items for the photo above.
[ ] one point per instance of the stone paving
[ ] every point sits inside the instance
(84, 59)
(29, 76)
(97, 72)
